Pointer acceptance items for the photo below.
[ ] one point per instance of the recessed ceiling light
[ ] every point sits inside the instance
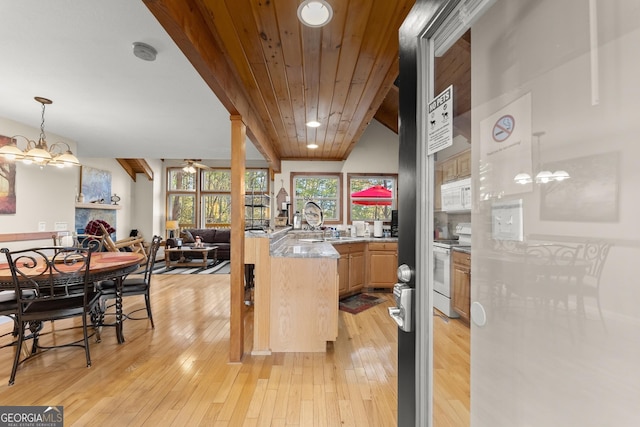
(312, 146)
(315, 13)
(313, 124)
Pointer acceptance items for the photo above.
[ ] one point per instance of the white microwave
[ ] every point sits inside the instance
(456, 196)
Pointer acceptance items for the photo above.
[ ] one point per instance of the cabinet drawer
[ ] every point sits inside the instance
(461, 258)
(349, 248)
(383, 246)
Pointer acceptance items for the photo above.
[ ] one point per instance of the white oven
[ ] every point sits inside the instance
(442, 278)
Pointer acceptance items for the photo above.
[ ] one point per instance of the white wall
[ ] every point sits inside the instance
(42, 195)
(148, 204)
(48, 195)
(376, 152)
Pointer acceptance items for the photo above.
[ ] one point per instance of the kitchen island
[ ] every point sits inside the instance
(296, 291)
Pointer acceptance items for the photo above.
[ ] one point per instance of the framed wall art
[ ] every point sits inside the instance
(590, 195)
(95, 185)
(7, 182)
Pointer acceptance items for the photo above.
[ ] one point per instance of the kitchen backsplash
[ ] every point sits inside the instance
(445, 223)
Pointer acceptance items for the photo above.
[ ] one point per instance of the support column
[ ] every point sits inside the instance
(238, 155)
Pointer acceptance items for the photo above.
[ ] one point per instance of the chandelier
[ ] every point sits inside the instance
(58, 154)
(544, 176)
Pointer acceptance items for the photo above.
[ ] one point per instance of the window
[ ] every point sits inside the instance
(181, 197)
(203, 199)
(216, 197)
(379, 203)
(257, 202)
(324, 189)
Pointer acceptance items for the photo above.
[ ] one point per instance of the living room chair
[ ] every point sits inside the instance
(51, 283)
(136, 285)
(129, 244)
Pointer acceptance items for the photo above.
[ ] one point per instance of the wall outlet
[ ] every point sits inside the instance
(42, 226)
(60, 226)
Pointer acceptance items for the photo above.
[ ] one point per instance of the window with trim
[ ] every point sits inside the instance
(203, 199)
(324, 189)
(379, 196)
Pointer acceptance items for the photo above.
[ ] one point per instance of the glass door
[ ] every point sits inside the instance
(554, 152)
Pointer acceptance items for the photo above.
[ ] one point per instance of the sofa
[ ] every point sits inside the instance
(220, 237)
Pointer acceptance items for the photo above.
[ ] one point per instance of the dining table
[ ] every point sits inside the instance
(520, 267)
(103, 266)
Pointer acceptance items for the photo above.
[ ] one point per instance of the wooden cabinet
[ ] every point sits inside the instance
(351, 269)
(437, 196)
(456, 167)
(382, 264)
(461, 278)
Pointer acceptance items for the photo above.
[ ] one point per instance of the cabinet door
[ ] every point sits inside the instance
(356, 271)
(343, 274)
(437, 196)
(383, 267)
(461, 290)
(449, 170)
(464, 165)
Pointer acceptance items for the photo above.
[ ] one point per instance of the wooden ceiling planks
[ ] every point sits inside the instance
(283, 74)
(454, 68)
(190, 28)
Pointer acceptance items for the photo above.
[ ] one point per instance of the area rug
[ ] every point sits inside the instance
(222, 267)
(359, 303)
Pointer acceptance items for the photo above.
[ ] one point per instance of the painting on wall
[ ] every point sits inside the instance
(7, 182)
(95, 185)
(590, 195)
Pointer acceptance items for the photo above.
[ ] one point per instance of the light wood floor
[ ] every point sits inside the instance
(178, 373)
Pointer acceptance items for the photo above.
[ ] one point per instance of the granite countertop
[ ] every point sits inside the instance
(295, 248)
(344, 240)
(270, 234)
(465, 249)
(312, 244)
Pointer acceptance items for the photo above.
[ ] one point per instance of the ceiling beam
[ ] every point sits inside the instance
(127, 167)
(136, 166)
(195, 34)
(387, 114)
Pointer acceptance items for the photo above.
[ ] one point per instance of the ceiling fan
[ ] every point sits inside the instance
(191, 165)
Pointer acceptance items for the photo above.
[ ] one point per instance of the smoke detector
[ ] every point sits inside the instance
(144, 51)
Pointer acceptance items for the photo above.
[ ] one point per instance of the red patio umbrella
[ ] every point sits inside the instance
(369, 196)
(375, 192)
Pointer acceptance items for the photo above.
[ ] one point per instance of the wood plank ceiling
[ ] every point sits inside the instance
(277, 73)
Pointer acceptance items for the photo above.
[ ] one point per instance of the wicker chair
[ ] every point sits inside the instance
(129, 244)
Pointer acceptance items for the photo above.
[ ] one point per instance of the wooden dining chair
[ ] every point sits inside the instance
(51, 283)
(9, 308)
(138, 284)
(539, 273)
(595, 255)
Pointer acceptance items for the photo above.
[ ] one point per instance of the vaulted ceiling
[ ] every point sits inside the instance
(277, 73)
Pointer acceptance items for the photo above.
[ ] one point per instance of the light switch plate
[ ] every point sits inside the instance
(42, 226)
(507, 220)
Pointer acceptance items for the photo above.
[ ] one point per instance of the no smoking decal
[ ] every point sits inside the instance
(503, 128)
